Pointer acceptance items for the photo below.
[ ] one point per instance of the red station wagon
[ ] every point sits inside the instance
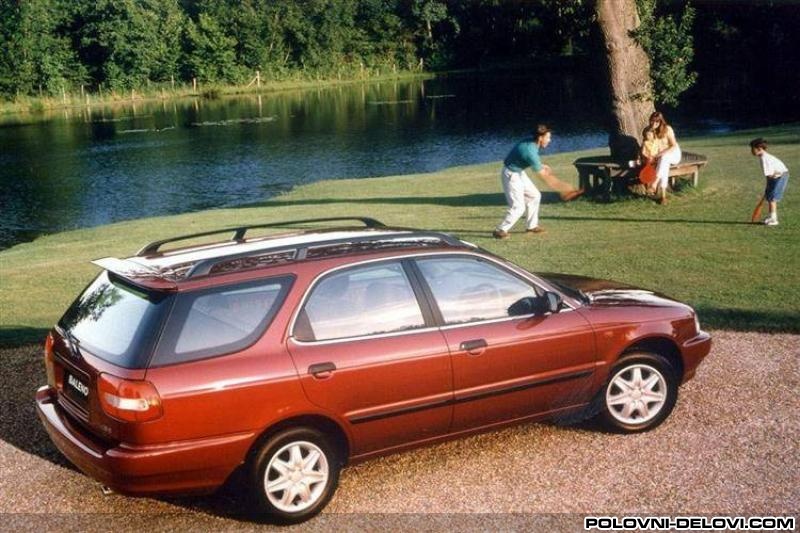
(292, 355)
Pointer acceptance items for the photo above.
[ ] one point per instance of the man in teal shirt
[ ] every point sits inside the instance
(521, 193)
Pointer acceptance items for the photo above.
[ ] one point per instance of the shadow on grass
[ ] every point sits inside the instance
(748, 319)
(485, 200)
(654, 220)
(11, 336)
(466, 200)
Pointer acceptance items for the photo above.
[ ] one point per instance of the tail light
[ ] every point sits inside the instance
(49, 362)
(128, 400)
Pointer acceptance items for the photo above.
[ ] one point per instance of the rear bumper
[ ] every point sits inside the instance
(693, 351)
(199, 465)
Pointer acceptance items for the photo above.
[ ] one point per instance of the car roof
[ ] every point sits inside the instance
(154, 268)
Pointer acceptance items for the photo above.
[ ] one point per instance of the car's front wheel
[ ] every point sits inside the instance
(294, 475)
(640, 393)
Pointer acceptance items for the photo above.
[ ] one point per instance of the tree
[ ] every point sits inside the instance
(127, 43)
(628, 75)
(667, 39)
(427, 16)
(211, 53)
(37, 56)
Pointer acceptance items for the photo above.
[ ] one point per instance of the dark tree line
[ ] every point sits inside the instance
(121, 44)
(54, 45)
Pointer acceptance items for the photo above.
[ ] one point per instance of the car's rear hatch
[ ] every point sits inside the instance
(110, 330)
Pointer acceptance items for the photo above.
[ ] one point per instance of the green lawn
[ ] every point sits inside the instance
(699, 248)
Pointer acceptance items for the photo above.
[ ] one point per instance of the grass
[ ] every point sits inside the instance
(700, 248)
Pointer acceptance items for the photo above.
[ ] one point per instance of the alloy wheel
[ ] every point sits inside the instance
(636, 394)
(296, 476)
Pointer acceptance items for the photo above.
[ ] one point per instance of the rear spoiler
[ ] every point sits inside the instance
(137, 274)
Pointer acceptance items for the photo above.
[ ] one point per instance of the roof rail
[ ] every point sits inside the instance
(205, 266)
(240, 232)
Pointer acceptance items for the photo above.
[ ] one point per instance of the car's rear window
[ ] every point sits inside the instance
(116, 321)
(219, 320)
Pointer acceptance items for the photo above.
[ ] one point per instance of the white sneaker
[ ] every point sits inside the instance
(770, 221)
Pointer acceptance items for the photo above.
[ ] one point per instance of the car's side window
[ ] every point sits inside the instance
(365, 300)
(220, 320)
(468, 290)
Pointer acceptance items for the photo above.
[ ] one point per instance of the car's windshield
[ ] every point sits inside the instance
(116, 321)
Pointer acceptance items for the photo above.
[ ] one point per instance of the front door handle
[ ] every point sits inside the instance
(321, 370)
(475, 346)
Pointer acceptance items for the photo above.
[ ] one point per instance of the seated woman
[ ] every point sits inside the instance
(669, 153)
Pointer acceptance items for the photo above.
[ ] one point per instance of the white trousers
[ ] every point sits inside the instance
(670, 157)
(521, 195)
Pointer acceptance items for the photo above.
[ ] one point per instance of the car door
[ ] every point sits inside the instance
(367, 350)
(505, 367)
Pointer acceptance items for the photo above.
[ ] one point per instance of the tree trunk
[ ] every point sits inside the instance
(628, 76)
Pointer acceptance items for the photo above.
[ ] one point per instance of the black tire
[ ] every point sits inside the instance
(648, 413)
(279, 448)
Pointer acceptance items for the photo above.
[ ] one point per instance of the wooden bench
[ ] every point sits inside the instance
(600, 173)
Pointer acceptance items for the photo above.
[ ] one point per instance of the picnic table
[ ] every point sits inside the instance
(602, 173)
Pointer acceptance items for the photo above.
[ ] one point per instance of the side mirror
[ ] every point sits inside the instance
(523, 306)
(549, 302)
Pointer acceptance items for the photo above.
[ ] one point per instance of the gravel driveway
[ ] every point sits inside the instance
(731, 447)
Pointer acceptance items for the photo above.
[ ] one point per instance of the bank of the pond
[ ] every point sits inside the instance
(39, 105)
(700, 248)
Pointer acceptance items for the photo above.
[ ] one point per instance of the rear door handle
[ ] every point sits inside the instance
(321, 370)
(475, 346)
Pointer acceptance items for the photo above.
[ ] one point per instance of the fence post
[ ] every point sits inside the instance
(194, 84)
(64, 95)
(172, 80)
(258, 79)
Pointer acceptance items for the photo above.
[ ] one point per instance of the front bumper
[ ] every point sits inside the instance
(693, 351)
(199, 465)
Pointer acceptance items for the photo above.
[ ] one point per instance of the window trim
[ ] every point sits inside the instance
(287, 280)
(437, 324)
(423, 305)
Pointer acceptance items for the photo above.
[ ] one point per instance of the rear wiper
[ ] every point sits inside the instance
(74, 344)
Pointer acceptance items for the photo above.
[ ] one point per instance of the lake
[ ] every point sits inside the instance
(90, 166)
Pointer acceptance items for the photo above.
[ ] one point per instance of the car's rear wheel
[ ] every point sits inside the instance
(294, 475)
(639, 394)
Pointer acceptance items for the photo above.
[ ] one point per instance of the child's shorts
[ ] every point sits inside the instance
(775, 187)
